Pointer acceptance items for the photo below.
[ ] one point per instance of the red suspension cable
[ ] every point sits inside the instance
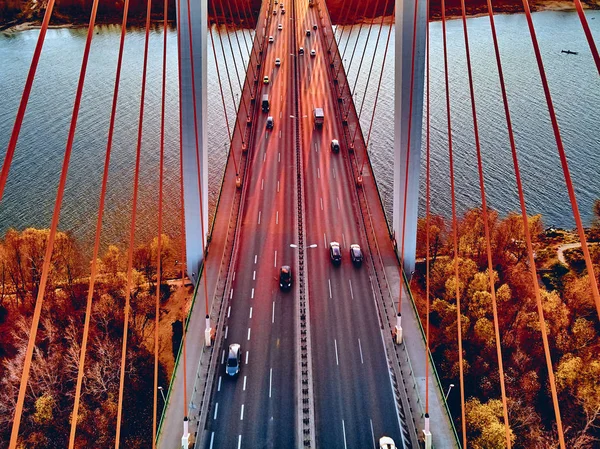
(182, 199)
(52, 234)
(132, 231)
(484, 211)
(343, 55)
(387, 43)
(427, 218)
(353, 50)
(455, 233)
(14, 137)
(563, 161)
(160, 223)
(588, 34)
(94, 268)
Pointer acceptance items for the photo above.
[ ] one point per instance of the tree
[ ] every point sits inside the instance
(486, 425)
(44, 408)
(437, 236)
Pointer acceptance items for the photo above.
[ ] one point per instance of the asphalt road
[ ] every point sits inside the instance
(354, 402)
(256, 409)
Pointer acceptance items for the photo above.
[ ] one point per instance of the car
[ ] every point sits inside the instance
(386, 443)
(266, 80)
(335, 253)
(274, 12)
(275, 1)
(280, 27)
(270, 122)
(281, 5)
(313, 52)
(283, 11)
(301, 51)
(271, 39)
(308, 33)
(277, 62)
(335, 146)
(356, 254)
(285, 277)
(315, 26)
(234, 359)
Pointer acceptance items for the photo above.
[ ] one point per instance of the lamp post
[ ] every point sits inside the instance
(293, 245)
(448, 392)
(162, 393)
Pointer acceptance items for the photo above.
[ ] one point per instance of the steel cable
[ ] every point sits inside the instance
(588, 34)
(52, 233)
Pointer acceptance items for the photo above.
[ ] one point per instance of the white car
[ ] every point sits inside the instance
(266, 80)
(271, 39)
(280, 27)
(386, 443)
(274, 12)
(313, 52)
(277, 62)
(283, 11)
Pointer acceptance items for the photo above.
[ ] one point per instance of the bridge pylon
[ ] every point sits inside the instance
(404, 29)
(193, 59)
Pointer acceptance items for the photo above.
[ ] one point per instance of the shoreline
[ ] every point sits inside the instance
(475, 12)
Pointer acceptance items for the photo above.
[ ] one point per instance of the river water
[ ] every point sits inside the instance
(32, 184)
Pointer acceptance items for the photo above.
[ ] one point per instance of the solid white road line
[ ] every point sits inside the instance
(262, 184)
(344, 430)
(337, 360)
(360, 349)
(246, 357)
(212, 439)
(226, 329)
(223, 357)
(255, 258)
(275, 262)
(216, 410)
(248, 333)
(277, 217)
(244, 383)
(252, 296)
(270, 381)
(373, 434)
(254, 275)
(329, 281)
(259, 212)
(219, 387)
(250, 312)
(228, 311)
(239, 442)
(351, 291)
(273, 314)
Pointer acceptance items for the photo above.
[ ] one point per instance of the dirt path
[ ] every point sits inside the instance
(560, 250)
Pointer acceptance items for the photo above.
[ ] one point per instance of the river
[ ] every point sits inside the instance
(31, 187)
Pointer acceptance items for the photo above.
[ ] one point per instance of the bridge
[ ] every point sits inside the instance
(341, 358)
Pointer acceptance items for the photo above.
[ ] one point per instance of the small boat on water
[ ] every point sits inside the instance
(569, 52)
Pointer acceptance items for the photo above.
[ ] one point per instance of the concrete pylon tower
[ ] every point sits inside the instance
(191, 184)
(405, 10)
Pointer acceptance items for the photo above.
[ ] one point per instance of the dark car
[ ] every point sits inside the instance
(234, 359)
(301, 51)
(308, 32)
(315, 26)
(335, 253)
(285, 277)
(270, 122)
(356, 254)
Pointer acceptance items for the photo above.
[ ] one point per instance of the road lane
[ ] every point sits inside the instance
(262, 317)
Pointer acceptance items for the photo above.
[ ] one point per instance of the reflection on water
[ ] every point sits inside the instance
(31, 187)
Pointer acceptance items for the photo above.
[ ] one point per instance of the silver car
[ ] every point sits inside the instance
(234, 359)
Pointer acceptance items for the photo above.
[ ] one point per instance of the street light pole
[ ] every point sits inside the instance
(162, 393)
(448, 392)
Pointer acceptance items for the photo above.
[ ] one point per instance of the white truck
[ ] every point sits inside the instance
(319, 117)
